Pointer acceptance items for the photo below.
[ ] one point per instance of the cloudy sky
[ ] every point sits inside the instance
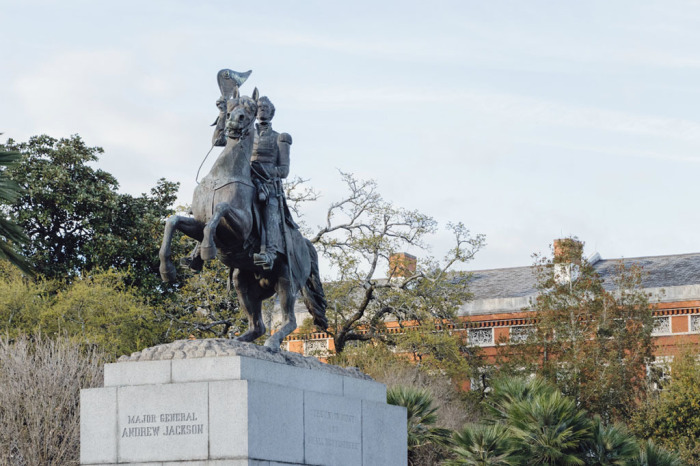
(526, 120)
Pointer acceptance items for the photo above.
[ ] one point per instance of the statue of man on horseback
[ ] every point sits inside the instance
(240, 216)
(270, 165)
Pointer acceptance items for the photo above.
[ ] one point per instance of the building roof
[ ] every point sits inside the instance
(510, 289)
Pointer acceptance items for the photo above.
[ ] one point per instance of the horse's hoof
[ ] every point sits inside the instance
(207, 252)
(272, 344)
(168, 273)
(247, 337)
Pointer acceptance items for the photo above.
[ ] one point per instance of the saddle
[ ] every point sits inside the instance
(253, 241)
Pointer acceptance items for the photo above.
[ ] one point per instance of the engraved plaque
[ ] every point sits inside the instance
(163, 422)
(333, 430)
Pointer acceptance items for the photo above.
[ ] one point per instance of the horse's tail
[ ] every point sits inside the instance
(314, 298)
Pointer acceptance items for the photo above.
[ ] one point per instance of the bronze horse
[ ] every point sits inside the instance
(223, 219)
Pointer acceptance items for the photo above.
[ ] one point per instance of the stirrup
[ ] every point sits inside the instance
(265, 260)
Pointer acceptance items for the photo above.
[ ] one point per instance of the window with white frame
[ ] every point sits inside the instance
(521, 333)
(481, 336)
(694, 323)
(316, 348)
(662, 326)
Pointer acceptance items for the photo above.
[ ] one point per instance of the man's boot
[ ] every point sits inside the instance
(266, 259)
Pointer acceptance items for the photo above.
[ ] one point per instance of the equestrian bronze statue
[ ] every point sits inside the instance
(239, 215)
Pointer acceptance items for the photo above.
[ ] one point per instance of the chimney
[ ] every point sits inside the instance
(402, 264)
(568, 251)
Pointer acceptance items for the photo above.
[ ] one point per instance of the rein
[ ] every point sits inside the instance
(196, 178)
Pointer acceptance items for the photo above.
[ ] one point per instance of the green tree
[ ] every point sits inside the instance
(361, 233)
(652, 455)
(100, 309)
(22, 301)
(76, 219)
(11, 235)
(97, 309)
(593, 343)
(436, 349)
(421, 418)
(671, 418)
(548, 427)
(508, 391)
(484, 445)
(611, 445)
(537, 424)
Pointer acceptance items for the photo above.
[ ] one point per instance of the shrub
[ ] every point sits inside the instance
(40, 382)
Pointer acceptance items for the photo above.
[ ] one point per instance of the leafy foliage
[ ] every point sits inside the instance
(98, 310)
(547, 427)
(550, 429)
(75, 218)
(484, 445)
(421, 417)
(652, 455)
(530, 421)
(611, 445)
(592, 343)
(22, 301)
(435, 349)
(672, 417)
(509, 391)
(11, 235)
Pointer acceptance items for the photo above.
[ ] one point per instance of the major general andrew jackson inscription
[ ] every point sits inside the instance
(167, 424)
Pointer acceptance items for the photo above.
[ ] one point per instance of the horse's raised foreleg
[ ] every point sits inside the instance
(287, 296)
(188, 226)
(208, 248)
(238, 220)
(250, 300)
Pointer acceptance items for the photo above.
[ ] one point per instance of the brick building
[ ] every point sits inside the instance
(499, 309)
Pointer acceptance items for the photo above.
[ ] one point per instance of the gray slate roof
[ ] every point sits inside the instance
(659, 272)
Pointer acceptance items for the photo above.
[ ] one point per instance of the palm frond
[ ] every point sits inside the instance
(11, 234)
(610, 445)
(484, 445)
(421, 415)
(653, 455)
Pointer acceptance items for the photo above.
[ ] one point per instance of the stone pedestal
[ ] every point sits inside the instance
(218, 402)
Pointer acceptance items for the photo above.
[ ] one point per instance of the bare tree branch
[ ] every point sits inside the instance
(361, 232)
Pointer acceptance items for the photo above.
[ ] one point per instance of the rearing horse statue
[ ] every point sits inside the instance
(223, 221)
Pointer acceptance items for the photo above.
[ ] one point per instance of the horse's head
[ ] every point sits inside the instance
(241, 112)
